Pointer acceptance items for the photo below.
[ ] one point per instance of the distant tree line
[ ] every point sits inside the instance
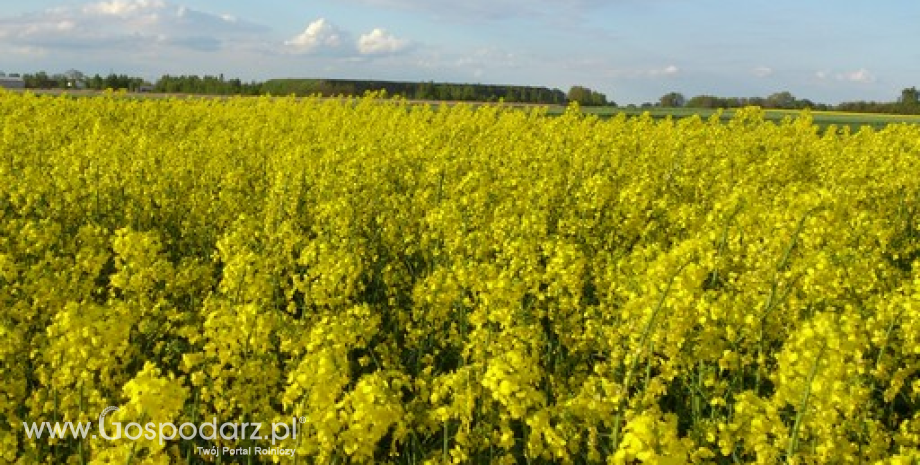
(907, 103)
(416, 90)
(209, 85)
(218, 85)
(782, 100)
(76, 80)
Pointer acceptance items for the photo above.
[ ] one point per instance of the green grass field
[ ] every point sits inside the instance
(821, 118)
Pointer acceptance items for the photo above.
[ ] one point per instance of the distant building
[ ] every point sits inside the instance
(12, 83)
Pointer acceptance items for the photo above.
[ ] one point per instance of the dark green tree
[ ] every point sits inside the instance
(781, 100)
(672, 100)
(910, 97)
(586, 97)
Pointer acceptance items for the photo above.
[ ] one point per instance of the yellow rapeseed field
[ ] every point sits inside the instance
(412, 284)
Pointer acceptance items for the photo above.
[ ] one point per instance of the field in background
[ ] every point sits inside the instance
(822, 119)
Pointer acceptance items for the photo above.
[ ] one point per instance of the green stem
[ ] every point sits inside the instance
(794, 438)
(627, 379)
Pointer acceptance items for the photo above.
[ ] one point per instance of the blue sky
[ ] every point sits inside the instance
(632, 50)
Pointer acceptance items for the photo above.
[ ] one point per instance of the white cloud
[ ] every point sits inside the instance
(490, 63)
(670, 70)
(762, 71)
(476, 10)
(26, 51)
(380, 42)
(126, 24)
(123, 7)
(862, 76)
(319, 35)
(605, 68)
(859, 76)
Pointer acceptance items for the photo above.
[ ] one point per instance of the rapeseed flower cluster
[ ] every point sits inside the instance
(457, 284)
